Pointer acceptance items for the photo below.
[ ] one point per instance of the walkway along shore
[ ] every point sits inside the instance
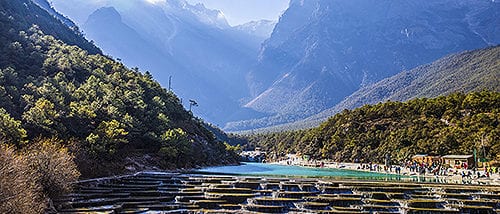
(452, 175)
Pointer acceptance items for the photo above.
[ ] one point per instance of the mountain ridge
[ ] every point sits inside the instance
(464, 72)
(44, 4)
(260, 28)
(446, 125)
(32, 13)
(468, 71)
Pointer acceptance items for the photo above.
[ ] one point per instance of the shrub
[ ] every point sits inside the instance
(12, 131)
(19, 192)
(53, 166)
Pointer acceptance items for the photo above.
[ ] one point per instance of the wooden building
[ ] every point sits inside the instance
(458, 161)
(424, 158)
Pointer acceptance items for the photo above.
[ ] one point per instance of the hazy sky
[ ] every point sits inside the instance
(242, 11)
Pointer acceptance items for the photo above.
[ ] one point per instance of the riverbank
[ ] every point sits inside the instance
(452, 175)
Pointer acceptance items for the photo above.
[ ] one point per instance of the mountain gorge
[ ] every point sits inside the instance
(322, 51)
(317, 54)
(206, 58)
(74, 109)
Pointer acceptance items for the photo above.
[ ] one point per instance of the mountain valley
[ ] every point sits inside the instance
(256, 75)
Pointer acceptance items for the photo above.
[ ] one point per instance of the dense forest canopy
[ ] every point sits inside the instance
(453, 124)
(50, 89)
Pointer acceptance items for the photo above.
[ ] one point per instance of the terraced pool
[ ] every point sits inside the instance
(263, 169)
(276, 170)
(157, 192)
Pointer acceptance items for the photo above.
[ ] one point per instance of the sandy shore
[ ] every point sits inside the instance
(453, 176)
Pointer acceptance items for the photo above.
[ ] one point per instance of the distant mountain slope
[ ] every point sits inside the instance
(128, 45)
(44, 4)
(23, 13)
(261, 29)
(321, 51)
(463, 72)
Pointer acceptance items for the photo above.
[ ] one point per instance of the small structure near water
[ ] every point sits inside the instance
(459, 161)
(253, 156)
(424, 158)
(453, 161)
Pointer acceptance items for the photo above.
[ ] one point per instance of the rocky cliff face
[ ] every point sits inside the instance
(323, 50)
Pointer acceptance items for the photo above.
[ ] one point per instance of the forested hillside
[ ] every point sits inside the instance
(453, 124)
(21, 14)
(465, 72)
(65, 111)
(57, 90)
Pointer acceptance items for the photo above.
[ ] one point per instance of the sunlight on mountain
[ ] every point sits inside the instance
(154, 1)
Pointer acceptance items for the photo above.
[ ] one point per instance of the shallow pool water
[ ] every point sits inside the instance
(263, 169)
(276, 170)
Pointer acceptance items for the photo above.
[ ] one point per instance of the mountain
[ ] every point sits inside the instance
(321, 51)
(206, 58)
(261, 29)
(44, 4)
(23, 16)
(469, 71)
(125, 43)
(463, 72)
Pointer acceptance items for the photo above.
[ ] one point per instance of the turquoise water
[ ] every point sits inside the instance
(263, 169)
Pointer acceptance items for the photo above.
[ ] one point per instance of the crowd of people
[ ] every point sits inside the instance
(439, 169)
(412, 167)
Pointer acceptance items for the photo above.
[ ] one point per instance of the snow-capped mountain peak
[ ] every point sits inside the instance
(208, 16)
(202, 14)
(260, 28)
